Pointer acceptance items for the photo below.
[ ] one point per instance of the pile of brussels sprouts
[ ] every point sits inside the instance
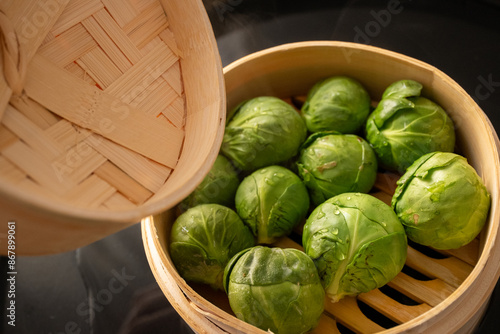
(284, 166)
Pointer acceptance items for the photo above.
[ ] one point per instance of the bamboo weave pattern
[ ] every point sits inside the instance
(99, 119)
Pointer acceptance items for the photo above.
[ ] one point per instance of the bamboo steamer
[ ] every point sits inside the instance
(110, 111)
(449, 291)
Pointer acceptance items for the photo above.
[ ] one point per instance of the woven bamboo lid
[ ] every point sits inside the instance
(110, 110)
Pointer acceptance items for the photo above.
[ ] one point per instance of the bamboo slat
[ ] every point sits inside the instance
(91, 192)
(75, 12)
(430, 292)
(117, 202)
(122, 11)
(107, 44)
(37, 113)
(98, 66)
(147, 25)
(451, 270)
(113, 30)
(58, 52)
(326, 325)
(392, 309)
(130, 188)
(348, 313)
(148, 173)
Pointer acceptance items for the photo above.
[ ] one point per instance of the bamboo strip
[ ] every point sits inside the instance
(430, 292)
(80, 73)
(142, 74)
(78, 162)
(49, 37)
(150, 46)
(326, 325)
(107, 44)
(148, 173)
(451, 270)
(121, 11)
(67, 134)
(116, 34)
(117, 202)
(174, 78)
(168, 37)
(7, 138)
(130, 188)
(147, 25)
(469, 253)
(347, 312)
(91, 193)
(9, 172)
(58, 51)
(37, 113)
(98, 66)
(33, 188)
(176, 112)
(392, 309)
(31, 134)
(76, 11)
(139, 98)
(37, 167)
(90, 108)
(141, 5)
(158, 99)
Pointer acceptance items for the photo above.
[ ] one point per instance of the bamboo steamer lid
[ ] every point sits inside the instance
(449, 290)
(110, 111)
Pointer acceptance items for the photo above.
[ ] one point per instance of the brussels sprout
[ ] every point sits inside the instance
(263, 131)
(275, 289)
(334, 163)
(203, 239)
(356, 242)
(441, 201)
(405, 126)
(272, 201)
(219, 186)
(337, 103)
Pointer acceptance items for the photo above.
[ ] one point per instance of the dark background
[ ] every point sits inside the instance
(107, 287)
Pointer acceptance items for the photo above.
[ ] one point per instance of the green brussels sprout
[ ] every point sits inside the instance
(357, 243)
(263, 131)
(219, 186)
(272, 201)
(405, 126)
(334, 163)
(441, 201)
(336, 104)
(275, 289)
(203, 239)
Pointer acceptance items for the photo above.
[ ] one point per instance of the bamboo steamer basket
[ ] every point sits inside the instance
(449, 290)
(110, 111)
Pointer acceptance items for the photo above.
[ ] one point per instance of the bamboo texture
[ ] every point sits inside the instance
(108, 76)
